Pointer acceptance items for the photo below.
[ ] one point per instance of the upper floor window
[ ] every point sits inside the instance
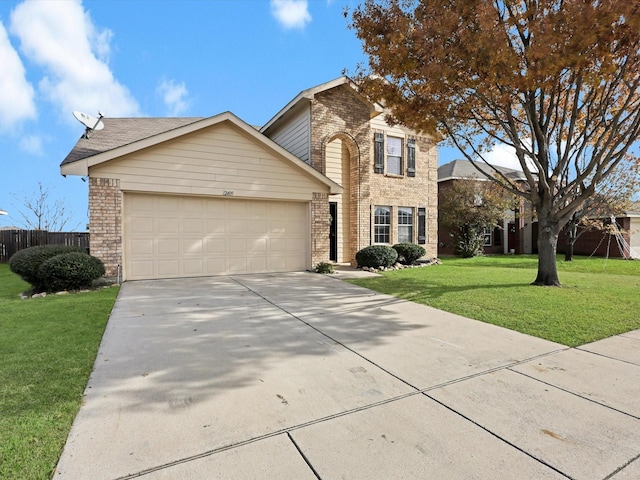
(394, 155)
(389, 155)
(382, 225)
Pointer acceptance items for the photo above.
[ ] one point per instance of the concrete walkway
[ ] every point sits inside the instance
(303, 376)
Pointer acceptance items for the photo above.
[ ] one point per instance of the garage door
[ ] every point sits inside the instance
(176, 236)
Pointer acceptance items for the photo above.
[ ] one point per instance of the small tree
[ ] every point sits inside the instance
(38, 211)
(467, 206)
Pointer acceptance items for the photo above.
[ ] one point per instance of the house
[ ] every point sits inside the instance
(622, 241)
(517, 232)
(326, 176)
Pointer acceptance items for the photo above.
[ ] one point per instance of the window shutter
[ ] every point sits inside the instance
(411, 157)
(422, 226)
(378, 153)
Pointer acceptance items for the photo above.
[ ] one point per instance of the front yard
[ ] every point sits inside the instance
(47, 349)
(48, 345)
(599, 297)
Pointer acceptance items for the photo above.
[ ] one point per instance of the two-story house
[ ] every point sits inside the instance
(515, 233)
(325, 177)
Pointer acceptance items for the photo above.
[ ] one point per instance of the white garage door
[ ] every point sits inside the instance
(175, 236)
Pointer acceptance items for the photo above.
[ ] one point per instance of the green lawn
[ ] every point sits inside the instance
(598, 298)
(47, 349)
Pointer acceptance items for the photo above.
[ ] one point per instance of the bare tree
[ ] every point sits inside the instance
(38, 211)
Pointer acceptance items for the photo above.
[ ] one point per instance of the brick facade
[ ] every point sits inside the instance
(319, 228)
(105, 222)
(340, 113)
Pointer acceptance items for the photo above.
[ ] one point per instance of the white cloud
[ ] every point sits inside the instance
(61, 38)
(291, 13)
(32, 144)
(174, 95)
(505, 156)
(16, 93)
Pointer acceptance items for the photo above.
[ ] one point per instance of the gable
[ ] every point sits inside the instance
(218, 160)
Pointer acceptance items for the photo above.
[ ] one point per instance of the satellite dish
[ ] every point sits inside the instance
(90, 122)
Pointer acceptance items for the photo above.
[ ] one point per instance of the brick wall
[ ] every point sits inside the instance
(319, 228)
(340, 113)
(105, 222)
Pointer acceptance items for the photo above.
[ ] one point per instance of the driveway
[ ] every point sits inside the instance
(303, 376)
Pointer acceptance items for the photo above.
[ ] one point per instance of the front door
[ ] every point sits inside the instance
(333, 231)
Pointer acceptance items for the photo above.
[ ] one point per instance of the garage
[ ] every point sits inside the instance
(170, 236)
(188, 197)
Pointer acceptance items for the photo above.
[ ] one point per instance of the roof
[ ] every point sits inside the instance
(123, 136)
(464, 169)
(308, 95)
(122, 131)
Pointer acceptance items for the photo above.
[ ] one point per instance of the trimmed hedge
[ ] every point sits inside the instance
(26, 263)
(409, 252)
(70, 271)
(376, 256)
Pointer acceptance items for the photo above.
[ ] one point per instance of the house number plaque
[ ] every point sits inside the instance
(227, 193)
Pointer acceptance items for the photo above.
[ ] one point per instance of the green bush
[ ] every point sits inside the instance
(376, 256)
(26, 263)
(469, 242)
(324, 267)
(408, 252)
(70, 271)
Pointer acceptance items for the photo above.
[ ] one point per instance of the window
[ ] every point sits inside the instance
(382, 225)
(486, 233)
(391, 154)
(405, 225)
(394, 155)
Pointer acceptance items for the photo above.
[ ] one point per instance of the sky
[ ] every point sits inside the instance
(152, 58)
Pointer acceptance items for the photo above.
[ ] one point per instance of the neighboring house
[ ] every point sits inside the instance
(517, 232)
(184, 197)
(606, 243)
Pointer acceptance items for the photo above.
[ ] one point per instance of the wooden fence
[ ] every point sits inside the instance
(13, 240)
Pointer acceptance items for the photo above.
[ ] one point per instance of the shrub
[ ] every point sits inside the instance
(324, 267)
(376, 256)
(26, 263)
(469, 242)
(70, 271)
(408, 252)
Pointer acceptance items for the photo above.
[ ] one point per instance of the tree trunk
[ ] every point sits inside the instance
(547, 246)
(568, 253)
(572, 235)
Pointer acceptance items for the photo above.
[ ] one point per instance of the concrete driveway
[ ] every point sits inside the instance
(303, 376)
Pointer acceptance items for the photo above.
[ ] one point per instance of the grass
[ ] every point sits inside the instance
(598, 298)
(47, 349)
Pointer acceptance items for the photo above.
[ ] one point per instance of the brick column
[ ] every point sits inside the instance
(105, 222)
(319, 228)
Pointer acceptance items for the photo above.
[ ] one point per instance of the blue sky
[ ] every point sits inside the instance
(150, 58)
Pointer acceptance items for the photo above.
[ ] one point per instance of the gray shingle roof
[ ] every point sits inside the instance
(118, 132)
(464, 169)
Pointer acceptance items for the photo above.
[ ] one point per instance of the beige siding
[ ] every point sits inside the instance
(168, 236)
(219, 161)
(294, 135)
(378, 123)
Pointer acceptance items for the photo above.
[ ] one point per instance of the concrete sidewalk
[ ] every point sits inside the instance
(303, 376)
